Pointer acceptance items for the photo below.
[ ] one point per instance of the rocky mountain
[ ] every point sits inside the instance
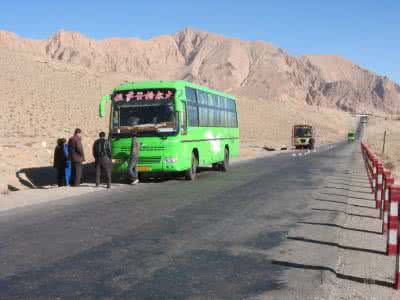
(253, 69)
(349, 85)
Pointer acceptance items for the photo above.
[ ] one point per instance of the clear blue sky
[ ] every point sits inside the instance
(365, 31)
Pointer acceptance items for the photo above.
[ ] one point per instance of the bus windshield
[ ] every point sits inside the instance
(144, 111)
(145, 117)
(303, 132)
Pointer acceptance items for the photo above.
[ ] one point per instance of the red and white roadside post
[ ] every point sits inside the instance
(396, 195)
(371, 176)
(370, 165)
(378, 185)
(374, 162)
(394, 198)
(388, 180)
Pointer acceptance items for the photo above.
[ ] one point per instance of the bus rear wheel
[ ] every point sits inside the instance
(191, 173)
(222, 165)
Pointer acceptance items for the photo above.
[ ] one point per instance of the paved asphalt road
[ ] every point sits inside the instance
(208, 239)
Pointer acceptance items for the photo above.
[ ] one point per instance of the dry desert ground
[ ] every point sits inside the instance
(377, 125)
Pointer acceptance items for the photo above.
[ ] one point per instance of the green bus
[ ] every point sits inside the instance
(351, 136)
(180, 126)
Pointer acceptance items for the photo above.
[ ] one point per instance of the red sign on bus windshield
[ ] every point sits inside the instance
(143, 95)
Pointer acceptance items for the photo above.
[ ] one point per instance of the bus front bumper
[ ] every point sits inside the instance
(301, 141)
(163, 166)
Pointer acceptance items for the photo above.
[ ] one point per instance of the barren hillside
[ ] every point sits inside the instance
(248, 68)
(354, 86)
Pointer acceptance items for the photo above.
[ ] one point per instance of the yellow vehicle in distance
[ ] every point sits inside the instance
(303, 136)
(364, 119)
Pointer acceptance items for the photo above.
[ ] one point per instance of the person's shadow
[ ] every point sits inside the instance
(46, 177)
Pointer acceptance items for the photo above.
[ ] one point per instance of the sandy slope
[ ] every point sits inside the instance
(375, 132)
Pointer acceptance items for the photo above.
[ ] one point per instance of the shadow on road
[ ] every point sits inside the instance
(37, 178)
(349, 190)
(347, 196)
(169, 177)
(338, 275)
(346, 179)
(46, 177)
(301, 239)
(344, 183)
(342, 202)
(341, 227)
(344, 212)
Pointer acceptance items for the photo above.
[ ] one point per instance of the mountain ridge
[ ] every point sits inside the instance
(252, 68)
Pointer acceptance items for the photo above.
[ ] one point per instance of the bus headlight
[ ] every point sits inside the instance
(170, 159)
(117, 161)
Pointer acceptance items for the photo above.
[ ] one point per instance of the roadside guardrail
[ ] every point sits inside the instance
(387, 199)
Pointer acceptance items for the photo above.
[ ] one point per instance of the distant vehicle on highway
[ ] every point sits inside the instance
(351, 136)
(180, 126)
(303, 136)
(364, 119)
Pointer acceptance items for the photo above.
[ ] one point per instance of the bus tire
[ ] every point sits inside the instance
(190, 174)
(224, 165)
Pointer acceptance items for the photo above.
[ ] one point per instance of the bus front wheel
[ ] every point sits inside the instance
(191, 173)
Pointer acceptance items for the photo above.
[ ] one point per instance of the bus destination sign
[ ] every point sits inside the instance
(143, 95)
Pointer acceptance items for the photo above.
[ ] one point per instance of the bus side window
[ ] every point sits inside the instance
(184, 119)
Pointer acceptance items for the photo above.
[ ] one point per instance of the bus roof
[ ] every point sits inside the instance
(147, 84)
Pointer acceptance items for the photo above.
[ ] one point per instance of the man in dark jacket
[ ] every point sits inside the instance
(77, 156)
(60, 161)
(102, 156)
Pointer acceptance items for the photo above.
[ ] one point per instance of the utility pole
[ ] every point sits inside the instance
(383, 146)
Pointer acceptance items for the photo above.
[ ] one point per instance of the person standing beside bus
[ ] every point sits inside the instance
(133, 162)
(102, 156)
(77, 156)
(68, 167)
(311, 143)
(60, 160)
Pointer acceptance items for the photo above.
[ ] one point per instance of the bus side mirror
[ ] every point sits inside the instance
(102, 107)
